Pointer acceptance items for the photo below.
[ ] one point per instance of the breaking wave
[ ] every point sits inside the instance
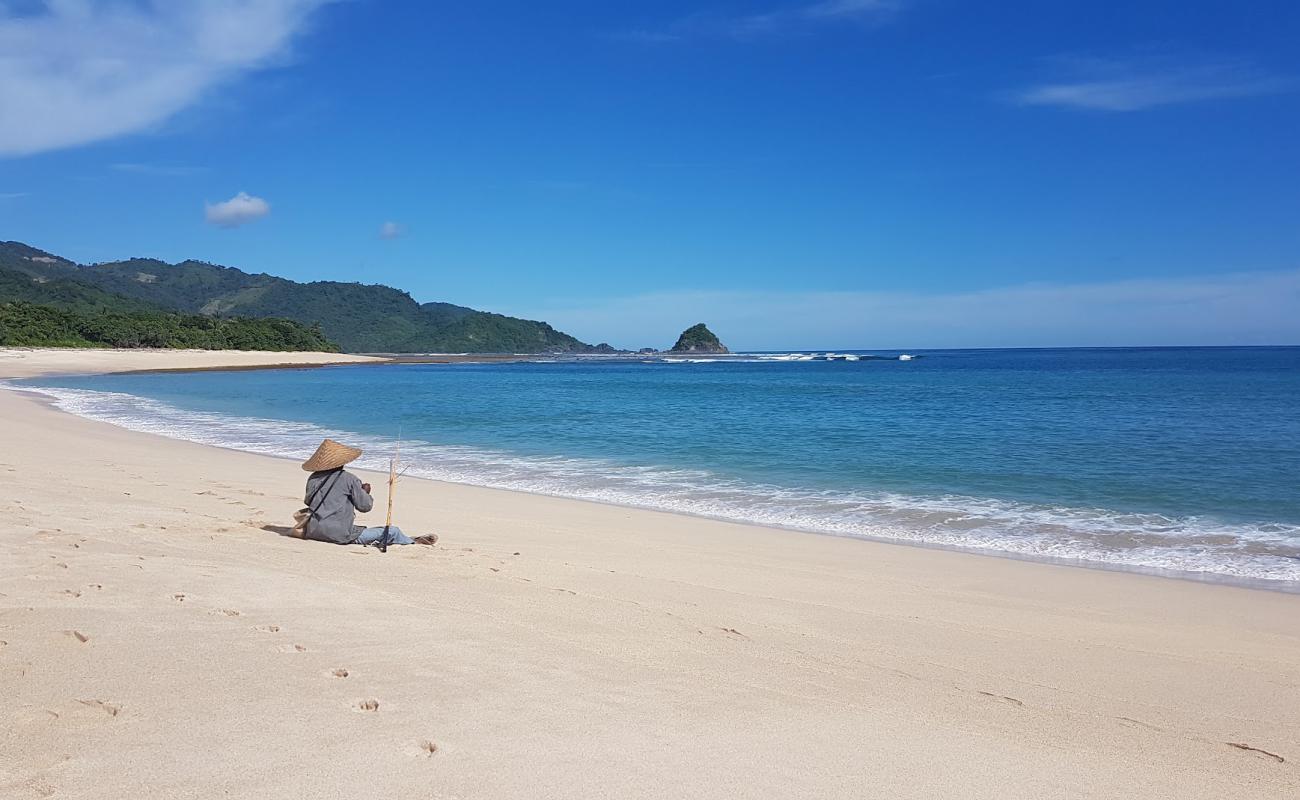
(1190, 546)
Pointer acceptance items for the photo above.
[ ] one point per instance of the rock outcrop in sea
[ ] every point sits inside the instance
(699, 339)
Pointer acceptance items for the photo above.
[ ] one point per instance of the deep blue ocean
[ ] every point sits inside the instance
(1181, 459)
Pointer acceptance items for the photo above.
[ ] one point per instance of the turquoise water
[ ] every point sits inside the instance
(1168, 459)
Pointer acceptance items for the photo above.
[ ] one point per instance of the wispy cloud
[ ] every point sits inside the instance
(159, 170)
(241, 209)
(1133, 84)
(391, 230)
(1233, 308)
(12, 195)
(81, 71)
(848, 9)
(773, 22)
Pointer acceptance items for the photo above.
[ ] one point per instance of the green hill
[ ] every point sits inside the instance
(45, 301)
(360, 318)
(36, 264)
(64, 293)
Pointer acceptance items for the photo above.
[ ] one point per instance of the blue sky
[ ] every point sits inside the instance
(825, 173)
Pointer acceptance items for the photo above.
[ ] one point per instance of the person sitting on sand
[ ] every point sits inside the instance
(335, 495)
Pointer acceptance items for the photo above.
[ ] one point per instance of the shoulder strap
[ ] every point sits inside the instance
(323, 492)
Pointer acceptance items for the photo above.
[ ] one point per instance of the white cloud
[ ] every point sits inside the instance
(80, 71)
(1233, 308)
(391, 230)
(238, 210)
(790, 18)
(1136, 84)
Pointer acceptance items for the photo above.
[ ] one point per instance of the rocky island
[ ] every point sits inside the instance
(699, 339)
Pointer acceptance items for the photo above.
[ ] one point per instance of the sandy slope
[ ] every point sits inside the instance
(160, 642)
(28, 362)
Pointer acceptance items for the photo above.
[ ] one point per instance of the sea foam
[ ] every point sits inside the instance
(1187, 545)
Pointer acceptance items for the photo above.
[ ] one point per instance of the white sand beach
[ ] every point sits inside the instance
(159, 639)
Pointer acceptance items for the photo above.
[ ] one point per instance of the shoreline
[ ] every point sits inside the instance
(1206, 577)
(36, 362)
(564, 648)
(271, 361)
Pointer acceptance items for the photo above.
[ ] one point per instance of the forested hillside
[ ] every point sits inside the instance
(358, 317)
(30, 325)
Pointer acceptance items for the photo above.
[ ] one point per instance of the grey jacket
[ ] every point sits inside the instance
(336, 506)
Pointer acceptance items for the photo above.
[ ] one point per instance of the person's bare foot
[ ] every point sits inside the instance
(430, 539)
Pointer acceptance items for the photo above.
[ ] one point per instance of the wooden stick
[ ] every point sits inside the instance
(392, 481)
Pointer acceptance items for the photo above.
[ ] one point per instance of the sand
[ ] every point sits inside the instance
(159, 639)
(29, 362)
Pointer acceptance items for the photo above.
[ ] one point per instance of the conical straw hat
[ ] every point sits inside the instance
(330, 455)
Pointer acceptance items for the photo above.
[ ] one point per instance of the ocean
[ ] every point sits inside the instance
(1181, 461)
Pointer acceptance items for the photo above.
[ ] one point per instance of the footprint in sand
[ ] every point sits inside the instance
(179, 597)
(267, 628)
(291, 648)
(366, 705)
(111, 709)
(1013, 701)
(1130, 722)
(228, 612)
(72, 593)
(339, 673)
(1262, 753)
(78, 635)
(428, 748)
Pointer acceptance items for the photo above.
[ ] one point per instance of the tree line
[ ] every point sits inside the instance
(25, 324)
